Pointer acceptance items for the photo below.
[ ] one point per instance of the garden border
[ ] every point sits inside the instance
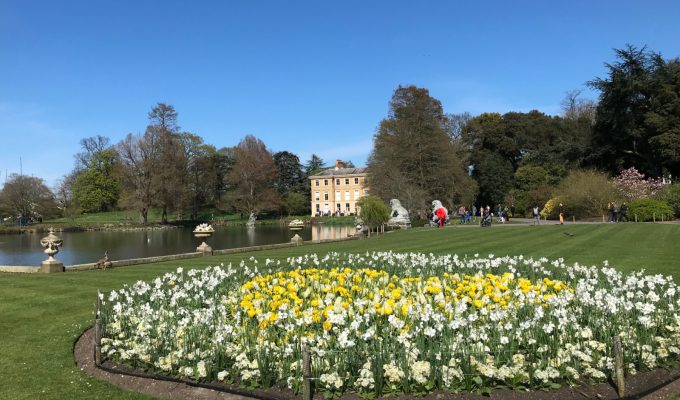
(175, 388)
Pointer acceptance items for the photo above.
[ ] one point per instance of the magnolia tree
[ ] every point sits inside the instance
(632, 185)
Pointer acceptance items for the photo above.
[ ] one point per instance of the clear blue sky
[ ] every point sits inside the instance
(307, 77)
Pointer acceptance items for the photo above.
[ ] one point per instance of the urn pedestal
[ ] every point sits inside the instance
(51, 243)
(203, 247)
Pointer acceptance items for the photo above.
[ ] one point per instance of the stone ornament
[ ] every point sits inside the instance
(296, 225)
(251, 220)
(204, 231)
(399, 216)
(51, 243)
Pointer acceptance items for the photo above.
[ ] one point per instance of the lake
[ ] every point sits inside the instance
(88, 247)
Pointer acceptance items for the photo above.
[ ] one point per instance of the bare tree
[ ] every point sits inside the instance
(90, 146)
(139, 157)
(64, 194)
(170, 179)
(203, 178)
(575, 108)
(253, 178)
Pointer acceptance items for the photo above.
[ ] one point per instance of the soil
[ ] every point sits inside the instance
(659, 384)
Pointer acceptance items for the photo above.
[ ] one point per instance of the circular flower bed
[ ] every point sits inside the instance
(394, 323)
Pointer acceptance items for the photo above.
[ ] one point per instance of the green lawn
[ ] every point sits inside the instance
(42, 315)
(132, 217)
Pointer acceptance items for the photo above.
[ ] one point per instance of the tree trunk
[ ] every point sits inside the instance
(145, 215)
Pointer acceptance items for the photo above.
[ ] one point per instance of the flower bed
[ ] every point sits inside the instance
(390, 323)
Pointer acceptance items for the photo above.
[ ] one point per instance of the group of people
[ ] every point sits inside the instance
(617, 214)
(469, 215)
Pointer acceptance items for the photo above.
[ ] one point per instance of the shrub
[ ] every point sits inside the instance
(373, 212)
(586, 193)
(649, 209)
(632, 185)
(671, 195)
(295, 204)
(551, 208)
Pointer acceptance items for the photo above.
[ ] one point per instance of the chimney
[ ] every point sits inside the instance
(339, 164)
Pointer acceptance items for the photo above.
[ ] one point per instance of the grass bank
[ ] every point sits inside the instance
(42, 315)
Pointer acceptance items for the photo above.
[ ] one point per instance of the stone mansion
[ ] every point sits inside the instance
(336, 190)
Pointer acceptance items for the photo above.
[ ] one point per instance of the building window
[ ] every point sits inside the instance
(356, 194)
(339, 207)
(346, 181)
(356, 181)
(346, 195)
(365, 192)
(318, 209)
(317, 182)
(325, 182)
(316, 196)
(337, 181)
(347, 207)
(337, 195)
(325, 196)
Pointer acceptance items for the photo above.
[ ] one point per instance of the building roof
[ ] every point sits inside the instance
(340, 172)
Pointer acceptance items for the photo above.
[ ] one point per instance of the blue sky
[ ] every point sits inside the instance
(307, 77)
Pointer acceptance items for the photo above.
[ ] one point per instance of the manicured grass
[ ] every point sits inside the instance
(42, 315)
(111, 217)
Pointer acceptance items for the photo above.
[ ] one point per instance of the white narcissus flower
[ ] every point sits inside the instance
(394, 304)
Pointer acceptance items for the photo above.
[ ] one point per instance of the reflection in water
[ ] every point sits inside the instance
(250, 232)
(88, 247)
(323, 232)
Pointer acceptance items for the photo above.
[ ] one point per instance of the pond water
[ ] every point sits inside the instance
(88, 247)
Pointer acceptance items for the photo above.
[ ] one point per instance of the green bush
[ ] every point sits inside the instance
(295, 204)
(374, 212)
(671, 195)
(649, 209)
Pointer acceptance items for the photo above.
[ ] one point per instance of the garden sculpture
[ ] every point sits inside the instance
(51, 243)
(440, 213)
(251, 220)
(399, 216)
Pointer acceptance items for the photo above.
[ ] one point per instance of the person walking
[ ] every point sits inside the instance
(623, 212)
(561, 214)
(537, 215)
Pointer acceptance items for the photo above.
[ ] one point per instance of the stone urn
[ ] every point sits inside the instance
(203, 232)
(51, 243)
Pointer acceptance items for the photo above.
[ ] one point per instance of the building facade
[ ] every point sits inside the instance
(335, 191)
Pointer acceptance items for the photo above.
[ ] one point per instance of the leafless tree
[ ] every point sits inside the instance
(575, 108)
(91, 146)
(140, 161)
(252, 178)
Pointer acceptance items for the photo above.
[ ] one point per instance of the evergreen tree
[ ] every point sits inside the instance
(413, 157)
